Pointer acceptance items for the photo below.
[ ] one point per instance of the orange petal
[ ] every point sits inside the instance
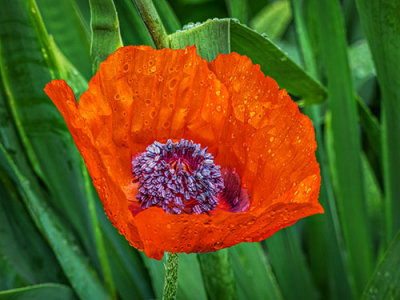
(271, 144)
(141, 95)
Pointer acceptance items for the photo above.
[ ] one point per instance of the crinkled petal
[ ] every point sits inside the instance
(141, 95)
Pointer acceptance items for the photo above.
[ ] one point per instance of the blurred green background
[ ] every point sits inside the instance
(338, 59)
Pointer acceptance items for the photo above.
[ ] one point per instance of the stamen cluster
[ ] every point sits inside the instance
(179, 177)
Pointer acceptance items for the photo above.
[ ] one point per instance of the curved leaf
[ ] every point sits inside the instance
(106, 37)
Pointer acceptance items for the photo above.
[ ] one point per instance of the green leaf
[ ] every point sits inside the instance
(39, 292)
(9, 276)
(253, 275)
(64, 22)
(106, 37)
(273, 19)
(345, 145)
(65, 247)
(128, 271)
(19, 233)
(285, 254)
(216, 268)
(371, 126)
(238, 9)
(79, 85)
(385, 282)
(323, 233)
(375, 202)
(380, 20)
(210, 38)
(27, 62)
(225, 35)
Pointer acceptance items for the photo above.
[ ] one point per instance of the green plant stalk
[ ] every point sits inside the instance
(345, 160)
(216, 268)
(153, 23)
(171, 277)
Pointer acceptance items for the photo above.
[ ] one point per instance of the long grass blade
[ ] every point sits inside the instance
(38, 292)
(345, 158)
(285, 254)
(273, 19)
(65, 247)
(238, 9)
(381, 22)
(253, 274)
(27, 63)
(65, 23)
(18, 233)
(324, 236)
(385, 282)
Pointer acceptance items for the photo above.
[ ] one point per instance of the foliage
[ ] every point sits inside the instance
(338, 59)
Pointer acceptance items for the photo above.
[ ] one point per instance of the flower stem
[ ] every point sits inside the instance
(153, 23)
(171, 277)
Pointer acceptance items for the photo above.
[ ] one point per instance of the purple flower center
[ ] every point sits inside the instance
(178, 177)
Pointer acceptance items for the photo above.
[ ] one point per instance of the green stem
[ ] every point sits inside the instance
(218, 277)
(171, 277)
(153, 23)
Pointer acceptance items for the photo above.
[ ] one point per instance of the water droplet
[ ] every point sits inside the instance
(218, 245)
(218, 93)
(219, 108)
(153, 69)
(172, 83)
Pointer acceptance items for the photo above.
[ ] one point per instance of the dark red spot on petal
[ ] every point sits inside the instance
(233, 194)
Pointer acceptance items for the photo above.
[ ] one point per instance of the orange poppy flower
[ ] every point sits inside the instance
(144, 124)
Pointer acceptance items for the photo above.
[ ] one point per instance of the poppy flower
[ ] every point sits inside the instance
(189, 155)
